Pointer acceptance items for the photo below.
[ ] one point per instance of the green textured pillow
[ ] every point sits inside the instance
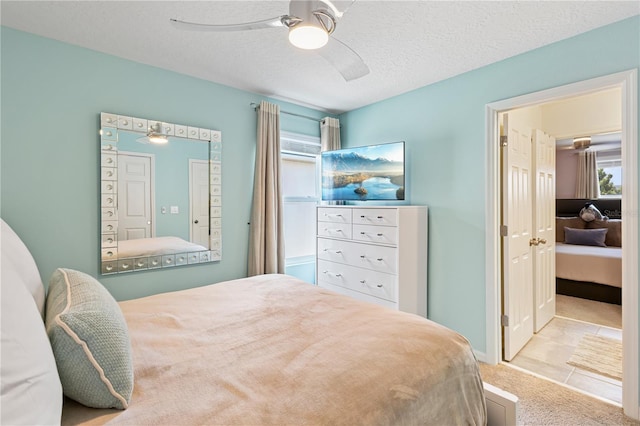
(90, 341)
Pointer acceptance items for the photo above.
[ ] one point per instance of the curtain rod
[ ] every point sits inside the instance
(319, 120)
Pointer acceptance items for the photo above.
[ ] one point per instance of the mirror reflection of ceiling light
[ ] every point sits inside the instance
(157, 134)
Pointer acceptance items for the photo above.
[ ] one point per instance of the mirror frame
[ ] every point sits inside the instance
(110, 262)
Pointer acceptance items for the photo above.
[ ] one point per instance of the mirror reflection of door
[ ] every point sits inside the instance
(135, 195)
(199, 201)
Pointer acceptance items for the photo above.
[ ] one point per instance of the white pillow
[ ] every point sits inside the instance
(30, 389)
(18, 264)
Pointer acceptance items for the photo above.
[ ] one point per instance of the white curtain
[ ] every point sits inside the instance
(330, 134)
(587, 183)
(266, 235)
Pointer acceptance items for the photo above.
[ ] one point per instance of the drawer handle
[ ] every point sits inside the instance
(336, 252)
(109, 253)
(380, 217)
(380, 259)
(125, 266)
(109, 173)
(108, 133)
(109, 213)
(379, 285)
(329, 273)
(109, 227)
(362, 256)
(154, 262)
(380, 235)
(140, 264)
(109, 240)
(168, 261)
(109, 268)
(109, 120)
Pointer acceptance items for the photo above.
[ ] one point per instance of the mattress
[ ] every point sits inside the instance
(602, 265)
(274, 350)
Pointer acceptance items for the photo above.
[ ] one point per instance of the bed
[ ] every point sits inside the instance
(158, 246)
(589, 271)
(262, 350)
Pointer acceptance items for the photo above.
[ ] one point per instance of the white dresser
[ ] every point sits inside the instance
(377, 254)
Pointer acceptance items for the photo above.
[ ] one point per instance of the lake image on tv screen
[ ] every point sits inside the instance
(364, 173)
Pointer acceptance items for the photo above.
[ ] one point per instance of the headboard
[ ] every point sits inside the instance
(611, 207)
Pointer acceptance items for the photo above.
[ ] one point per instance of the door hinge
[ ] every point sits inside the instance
(505, 320)
(503, 140)
(504, 231)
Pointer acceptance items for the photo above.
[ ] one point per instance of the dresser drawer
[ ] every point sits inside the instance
(376, 234)
(388, 217)
(337, 215)
(336, 230)
(377, 258)
(362, 280)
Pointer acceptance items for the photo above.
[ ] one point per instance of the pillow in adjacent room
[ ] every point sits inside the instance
(90, 341)
(585, 237)
(569, 222)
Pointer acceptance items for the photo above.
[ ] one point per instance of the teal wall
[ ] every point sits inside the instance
(52, 95)
(443, 125)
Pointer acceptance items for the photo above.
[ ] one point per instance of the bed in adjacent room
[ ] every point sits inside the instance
(589, 258)
(269, 349)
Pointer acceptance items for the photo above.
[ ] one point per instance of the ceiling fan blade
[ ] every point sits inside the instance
(348, 63)
(256, 25)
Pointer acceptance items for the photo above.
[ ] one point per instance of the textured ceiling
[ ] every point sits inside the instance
(405, 44)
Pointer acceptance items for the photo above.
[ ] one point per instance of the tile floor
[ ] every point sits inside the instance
(549, 350)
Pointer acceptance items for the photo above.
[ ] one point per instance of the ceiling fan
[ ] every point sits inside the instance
(311, 24)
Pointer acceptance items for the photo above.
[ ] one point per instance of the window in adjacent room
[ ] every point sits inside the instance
(301, 194)
(609, 165)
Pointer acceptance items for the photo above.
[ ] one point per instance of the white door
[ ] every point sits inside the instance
(545, 224)
(199, 201)
(517, 217)
(135, 194)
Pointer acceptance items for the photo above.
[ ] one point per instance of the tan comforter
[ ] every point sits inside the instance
(274, 350)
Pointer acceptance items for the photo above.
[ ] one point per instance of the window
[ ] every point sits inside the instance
(609, 165)
(301, 194)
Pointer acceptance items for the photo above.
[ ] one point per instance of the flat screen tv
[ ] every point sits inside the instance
(364, 173)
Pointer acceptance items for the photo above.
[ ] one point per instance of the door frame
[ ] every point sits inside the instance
(627, 81)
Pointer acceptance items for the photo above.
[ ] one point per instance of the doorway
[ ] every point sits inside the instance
(135, 195)
(627, 82)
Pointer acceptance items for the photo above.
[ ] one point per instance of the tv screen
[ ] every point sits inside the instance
(364, 173)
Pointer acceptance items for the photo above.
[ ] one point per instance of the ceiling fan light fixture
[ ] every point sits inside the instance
(582, 142)
(308, 37)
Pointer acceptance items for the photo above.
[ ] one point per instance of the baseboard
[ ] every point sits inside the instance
(481, 356)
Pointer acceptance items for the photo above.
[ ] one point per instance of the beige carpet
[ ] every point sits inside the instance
(601, 313)
(546, 403)
(599, 354)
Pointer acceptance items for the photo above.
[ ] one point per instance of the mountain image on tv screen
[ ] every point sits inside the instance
(374, 172)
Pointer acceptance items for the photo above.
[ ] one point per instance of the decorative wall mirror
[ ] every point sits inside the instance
(161, 196)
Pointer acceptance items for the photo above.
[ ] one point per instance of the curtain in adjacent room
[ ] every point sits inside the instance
(266, 235)
(587, 183)
(330, 134)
